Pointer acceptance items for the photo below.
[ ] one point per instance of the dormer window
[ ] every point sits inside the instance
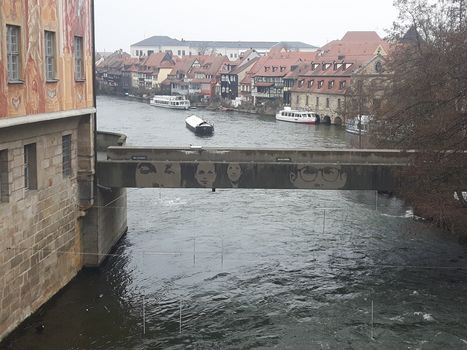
(342, 85)
(314, 66)
(326, 66)
(347, 65)
(337, 66)
(330, 84)
(274, 69)
(282, 68)
(266, 69)
(320, 84)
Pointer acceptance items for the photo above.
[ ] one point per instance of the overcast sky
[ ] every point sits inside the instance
(120, 23)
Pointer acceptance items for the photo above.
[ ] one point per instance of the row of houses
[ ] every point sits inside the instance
(322, 80)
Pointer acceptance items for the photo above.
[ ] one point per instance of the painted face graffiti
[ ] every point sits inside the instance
(234, 172)
(206, 174)
(326, 177)
(158, 175)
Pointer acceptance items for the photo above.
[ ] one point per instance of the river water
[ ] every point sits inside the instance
(258, 269)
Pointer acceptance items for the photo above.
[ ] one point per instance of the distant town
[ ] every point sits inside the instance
(252, 75)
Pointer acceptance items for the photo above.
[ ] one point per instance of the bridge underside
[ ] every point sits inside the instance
(196, 167)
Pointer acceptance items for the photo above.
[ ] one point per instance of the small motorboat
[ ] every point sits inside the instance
(199, 126)
(358, 125)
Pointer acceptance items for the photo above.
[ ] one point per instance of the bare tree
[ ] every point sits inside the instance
(424, 104)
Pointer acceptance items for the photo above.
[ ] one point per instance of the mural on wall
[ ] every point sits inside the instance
(36, 95)
(3, 96)
(234, 174)
(158, 175)
(206, 174)
(318, 177)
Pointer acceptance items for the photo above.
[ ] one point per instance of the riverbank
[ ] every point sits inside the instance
(215, 105)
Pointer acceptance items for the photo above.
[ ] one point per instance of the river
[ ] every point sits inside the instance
(258, 269)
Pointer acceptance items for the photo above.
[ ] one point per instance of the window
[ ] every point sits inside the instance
(330, 84)
(183, 52)
(379, 67)
(30, 167)
(13, 52)
(66, 155)
(317, 101)
(338, 103)
(49, 55)
(327, 102)
(150, 52)
(179, 52)
(310, 83)
(342, 85)
(79, 67)
(4, 192)
(300, 82)
(320, 84)
(307, 99)
(298, 99)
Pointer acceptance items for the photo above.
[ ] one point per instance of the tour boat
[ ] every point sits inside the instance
(294, 116)
(174, 102)
(199, 126)
(358, 125)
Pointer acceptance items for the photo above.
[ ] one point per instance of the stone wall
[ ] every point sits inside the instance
(40, 244)
(333, 110)
(106, 222)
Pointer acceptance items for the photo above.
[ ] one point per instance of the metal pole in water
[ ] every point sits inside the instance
(222, 252)
(144, 318)
(324, 219)
(180, 320)
(194, 250)
(376, 200)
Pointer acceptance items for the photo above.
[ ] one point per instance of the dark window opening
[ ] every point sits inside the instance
(4, 186)
(66, 155)
(30, 167)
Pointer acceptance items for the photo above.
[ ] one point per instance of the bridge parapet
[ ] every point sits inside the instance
(330, 169)
(262, 155)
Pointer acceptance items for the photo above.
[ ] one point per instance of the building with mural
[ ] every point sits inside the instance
(47, 118)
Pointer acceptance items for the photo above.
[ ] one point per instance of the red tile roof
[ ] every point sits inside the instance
(159, 60)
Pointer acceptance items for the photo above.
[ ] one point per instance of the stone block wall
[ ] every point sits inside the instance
(40, 244)
(333, 111)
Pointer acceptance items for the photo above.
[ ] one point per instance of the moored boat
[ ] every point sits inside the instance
(174, 102)
(294, 116)
(199, 126)
(358, 125)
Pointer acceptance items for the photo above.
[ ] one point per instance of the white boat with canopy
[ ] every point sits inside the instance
(174, 102)
(295, 116)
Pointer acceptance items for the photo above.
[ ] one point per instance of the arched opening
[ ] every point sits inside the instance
(326, 119)
(337, 121)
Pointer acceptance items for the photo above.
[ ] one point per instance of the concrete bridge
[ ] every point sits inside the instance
(120, 167)
(197, 167)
